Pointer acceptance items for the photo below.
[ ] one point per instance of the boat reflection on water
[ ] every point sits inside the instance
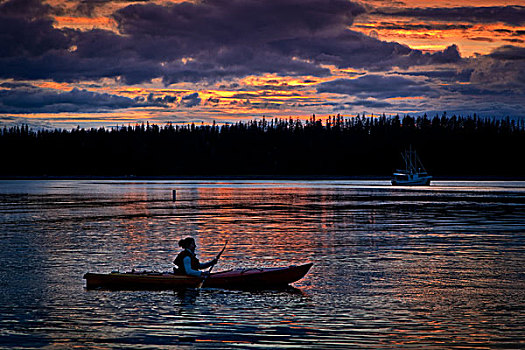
(190, 296)
(187, 296)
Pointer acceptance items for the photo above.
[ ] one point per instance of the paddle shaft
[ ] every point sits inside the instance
(211, 267)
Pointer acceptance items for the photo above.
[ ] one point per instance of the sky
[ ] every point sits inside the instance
(105, 63)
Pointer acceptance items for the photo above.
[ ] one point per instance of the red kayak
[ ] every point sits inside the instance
(256, 278)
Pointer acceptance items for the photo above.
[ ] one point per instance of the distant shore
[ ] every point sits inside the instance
(453, 148)
(259, 177)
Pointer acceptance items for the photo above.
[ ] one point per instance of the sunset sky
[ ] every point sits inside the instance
(105, 63)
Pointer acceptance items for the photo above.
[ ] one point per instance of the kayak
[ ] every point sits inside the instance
(254, 278)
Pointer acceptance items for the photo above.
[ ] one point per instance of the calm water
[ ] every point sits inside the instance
(432, 267)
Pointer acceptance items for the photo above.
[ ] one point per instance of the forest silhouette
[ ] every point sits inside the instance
(449, 146)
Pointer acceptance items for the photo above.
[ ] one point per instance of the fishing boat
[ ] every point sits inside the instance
(254, 278)
(414, 173)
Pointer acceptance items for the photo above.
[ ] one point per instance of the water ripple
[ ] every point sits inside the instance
(434, 267)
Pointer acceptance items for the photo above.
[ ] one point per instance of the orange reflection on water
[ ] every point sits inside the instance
(269, 232)
(134, 238)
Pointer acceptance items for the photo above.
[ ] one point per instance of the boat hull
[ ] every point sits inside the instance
(420, 181)
(258, 278)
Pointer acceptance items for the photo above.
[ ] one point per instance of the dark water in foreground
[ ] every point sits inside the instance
(433, 267)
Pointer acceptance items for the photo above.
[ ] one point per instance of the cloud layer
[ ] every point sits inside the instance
(21, 98)
(192, 42)
(512, 15)
(311, 49)
(378, 86)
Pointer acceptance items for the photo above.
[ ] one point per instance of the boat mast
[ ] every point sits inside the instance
(410, 161)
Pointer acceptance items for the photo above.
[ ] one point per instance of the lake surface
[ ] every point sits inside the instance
(394, 267)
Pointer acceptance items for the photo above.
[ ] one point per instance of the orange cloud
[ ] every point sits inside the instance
(85, 23)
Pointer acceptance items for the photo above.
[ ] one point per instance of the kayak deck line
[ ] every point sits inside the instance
(251, 278)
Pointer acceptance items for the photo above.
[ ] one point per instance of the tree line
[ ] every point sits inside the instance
(335, 146)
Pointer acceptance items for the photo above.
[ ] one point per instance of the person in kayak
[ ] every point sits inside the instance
(187, 263)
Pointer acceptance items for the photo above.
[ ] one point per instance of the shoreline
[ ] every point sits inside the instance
(259, 177)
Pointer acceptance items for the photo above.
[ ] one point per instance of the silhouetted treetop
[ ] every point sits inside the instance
(337, 145)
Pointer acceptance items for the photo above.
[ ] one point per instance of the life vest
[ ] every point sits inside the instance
(179, 261)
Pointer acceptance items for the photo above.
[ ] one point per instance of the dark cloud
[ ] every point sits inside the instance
(26, 30)
(509, 52)
(191, 100)
(512, 15)
(479, 38)
(502, 72)
(356, 50)
(15, 85)
(238, 21)
(511, 32)
(29, 99)
(26, 9)
(161, 100)
(378, 86)
(88, 7)
(208, 40)
(449, 55)
(446, 75)
(369, 104)
(245, 95)
(506, 31)
(232, 38)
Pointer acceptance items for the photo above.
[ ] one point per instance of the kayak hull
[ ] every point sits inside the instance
(257, 278)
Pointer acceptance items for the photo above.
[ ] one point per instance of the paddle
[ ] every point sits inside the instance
(211, 267)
